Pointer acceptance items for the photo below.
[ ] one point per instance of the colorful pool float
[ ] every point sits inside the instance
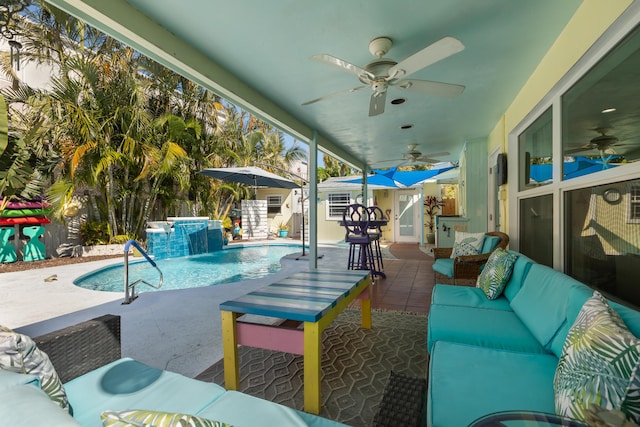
(29, 220)
(28, 205)
(15, 213)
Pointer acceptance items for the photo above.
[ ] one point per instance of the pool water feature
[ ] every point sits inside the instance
(225, 266)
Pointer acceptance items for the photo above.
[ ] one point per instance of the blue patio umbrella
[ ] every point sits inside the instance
(399, 179)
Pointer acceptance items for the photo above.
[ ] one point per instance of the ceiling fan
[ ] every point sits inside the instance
(413, 156)
(604, 144)
(383, 72)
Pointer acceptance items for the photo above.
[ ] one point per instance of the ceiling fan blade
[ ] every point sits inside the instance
(431, 88)
(431, 54)
(376, 104)
(440, 154)
(354, 89)
(430, 158)
(585, 147)
(343, 65)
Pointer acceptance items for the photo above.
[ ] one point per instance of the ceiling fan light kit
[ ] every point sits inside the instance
(381, 73)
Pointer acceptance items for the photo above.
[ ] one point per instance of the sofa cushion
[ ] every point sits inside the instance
(466, 296)
(444, 266)
(496, 273)
(599, 364)
(489, 244)
(467, 244)
(483, 327)
(577, 297)
(10, 379)
(239, 409)
(467, 382)
(630, 317)
(520, 270)
(127, 383)
(28, 405)
(18, 353)
(155, 419)
(541, 304)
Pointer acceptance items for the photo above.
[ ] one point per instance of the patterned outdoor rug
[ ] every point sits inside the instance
(356, 365)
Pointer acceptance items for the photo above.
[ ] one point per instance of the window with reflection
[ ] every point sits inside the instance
(536, 229)
(602, 227)
(534, 151)
(601, 113)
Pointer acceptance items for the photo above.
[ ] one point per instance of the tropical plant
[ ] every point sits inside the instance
(283, 226)
(126, 132)
(431, 207)
(95, 233)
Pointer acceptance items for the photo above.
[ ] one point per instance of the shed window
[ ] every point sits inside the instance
(336, 204)
(634, 204)
(274, 204)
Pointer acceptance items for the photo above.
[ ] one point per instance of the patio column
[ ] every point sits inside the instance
(365, 186)
(422, 215)
(313, 202)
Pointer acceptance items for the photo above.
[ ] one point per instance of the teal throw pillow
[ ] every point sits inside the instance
(18, 353)
(496, 273)
(598, 364)
(467, 244)
(144, 418)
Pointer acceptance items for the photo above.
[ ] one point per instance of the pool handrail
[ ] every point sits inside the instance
(130, 288)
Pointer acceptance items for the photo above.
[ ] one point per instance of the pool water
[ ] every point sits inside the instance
(229, 265)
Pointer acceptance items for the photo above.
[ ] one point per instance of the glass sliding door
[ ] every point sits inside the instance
(602, 235)
(536, 228)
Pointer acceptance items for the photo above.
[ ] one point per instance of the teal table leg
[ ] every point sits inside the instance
(34, 249)
(7, 250)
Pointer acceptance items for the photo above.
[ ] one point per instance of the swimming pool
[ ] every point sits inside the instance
(229, 265)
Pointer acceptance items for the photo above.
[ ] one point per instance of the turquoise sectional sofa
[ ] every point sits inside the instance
(96, 379)
(489, 356)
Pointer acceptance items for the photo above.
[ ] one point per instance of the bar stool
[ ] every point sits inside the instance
(375, 233)
(355, 219)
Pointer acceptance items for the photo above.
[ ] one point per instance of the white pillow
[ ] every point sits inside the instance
(467, 244)
(599, 364)
(18, 353)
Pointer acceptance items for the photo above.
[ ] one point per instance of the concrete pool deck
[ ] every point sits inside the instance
(177, 330)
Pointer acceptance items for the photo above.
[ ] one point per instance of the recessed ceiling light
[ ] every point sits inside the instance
(407, 126)
(608, 110)
(398, 101)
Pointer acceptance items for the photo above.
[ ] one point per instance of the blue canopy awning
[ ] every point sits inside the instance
(579, 167)
(400, 179)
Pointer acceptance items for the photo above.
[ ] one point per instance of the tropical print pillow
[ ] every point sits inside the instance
(598, 364)
(18, 353)
(467, 244)
(496, 273)
(143, 418)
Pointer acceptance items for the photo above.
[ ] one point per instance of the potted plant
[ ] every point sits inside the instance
(431, 207)
(283, 229)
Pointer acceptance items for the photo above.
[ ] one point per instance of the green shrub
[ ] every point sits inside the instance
(95, 233)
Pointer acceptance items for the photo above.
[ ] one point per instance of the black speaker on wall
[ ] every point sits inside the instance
(501, 169)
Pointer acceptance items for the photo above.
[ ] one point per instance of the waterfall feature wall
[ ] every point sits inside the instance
(182, 236)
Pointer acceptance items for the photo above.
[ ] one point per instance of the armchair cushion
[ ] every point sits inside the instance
(489, 244)
(467, 244)
(599, 364)
(444, 266)
(496, 273)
